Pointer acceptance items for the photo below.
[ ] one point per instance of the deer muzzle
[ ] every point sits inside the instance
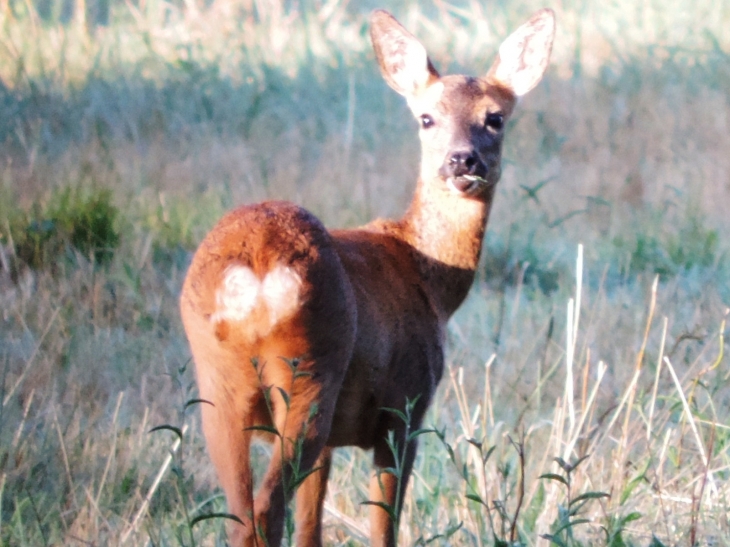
(464, 171)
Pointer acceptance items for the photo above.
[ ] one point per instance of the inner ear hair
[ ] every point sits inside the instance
(403, 60)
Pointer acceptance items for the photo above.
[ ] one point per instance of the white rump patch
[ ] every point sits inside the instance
(280, 291)
(237, 295)
(242, 292)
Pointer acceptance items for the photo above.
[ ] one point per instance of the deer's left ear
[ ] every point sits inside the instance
(402, 58)
(524, 55)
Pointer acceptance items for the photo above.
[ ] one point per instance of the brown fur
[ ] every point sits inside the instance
(361, 313)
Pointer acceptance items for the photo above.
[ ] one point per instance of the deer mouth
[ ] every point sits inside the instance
(467, 184)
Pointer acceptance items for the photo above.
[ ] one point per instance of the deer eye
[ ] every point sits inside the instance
(494, 121)
(426, 121)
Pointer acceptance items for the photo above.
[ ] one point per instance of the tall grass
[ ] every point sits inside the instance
(174, 112)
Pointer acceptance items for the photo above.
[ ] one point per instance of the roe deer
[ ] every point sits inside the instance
(308, 336)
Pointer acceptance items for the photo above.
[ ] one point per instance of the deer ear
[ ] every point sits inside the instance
(524, 55)
(403, 60)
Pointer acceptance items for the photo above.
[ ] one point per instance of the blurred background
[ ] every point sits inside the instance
(240, 101)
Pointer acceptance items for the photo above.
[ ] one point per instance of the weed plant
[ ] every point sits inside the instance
(74, 220)
(585, 401)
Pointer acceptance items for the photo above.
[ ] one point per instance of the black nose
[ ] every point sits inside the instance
(461, 163)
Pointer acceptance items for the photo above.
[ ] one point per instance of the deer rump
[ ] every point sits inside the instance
(317, 339)
(293, 304)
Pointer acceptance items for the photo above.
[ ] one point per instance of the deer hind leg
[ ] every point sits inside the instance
(228, 385)
(310, 502)
(302, 400)
(229, 443)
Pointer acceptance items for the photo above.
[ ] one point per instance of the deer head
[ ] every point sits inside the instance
(462, 119)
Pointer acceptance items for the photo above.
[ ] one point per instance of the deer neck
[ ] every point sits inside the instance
(446, 230)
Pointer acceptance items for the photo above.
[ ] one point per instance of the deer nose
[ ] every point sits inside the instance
(460, 163)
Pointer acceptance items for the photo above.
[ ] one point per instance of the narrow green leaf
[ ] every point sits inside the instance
(451, 530)
(209, 516)
(291, 363)
(579, 461)
(554, 477)
(577, 508)
(478, 499)
(589, 496)
(176, 430)
(301, 477)
(419, 432)
(285, 396)
(571, 524)
(264, 428)
(411, 403)
(384, 506)
(192, 402)
(565, 465)
(478, 444)
(631, 517)
(452, 456)
(398, 413)
(488, 454)
(392, 444)
(630, 486)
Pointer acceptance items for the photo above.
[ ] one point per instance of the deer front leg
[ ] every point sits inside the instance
(388, 489)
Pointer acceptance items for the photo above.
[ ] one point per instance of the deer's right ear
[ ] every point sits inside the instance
(402, 58)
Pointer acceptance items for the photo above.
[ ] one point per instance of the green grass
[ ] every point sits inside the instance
(122, 143)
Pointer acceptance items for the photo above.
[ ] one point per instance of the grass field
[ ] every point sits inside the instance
(595, 329)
